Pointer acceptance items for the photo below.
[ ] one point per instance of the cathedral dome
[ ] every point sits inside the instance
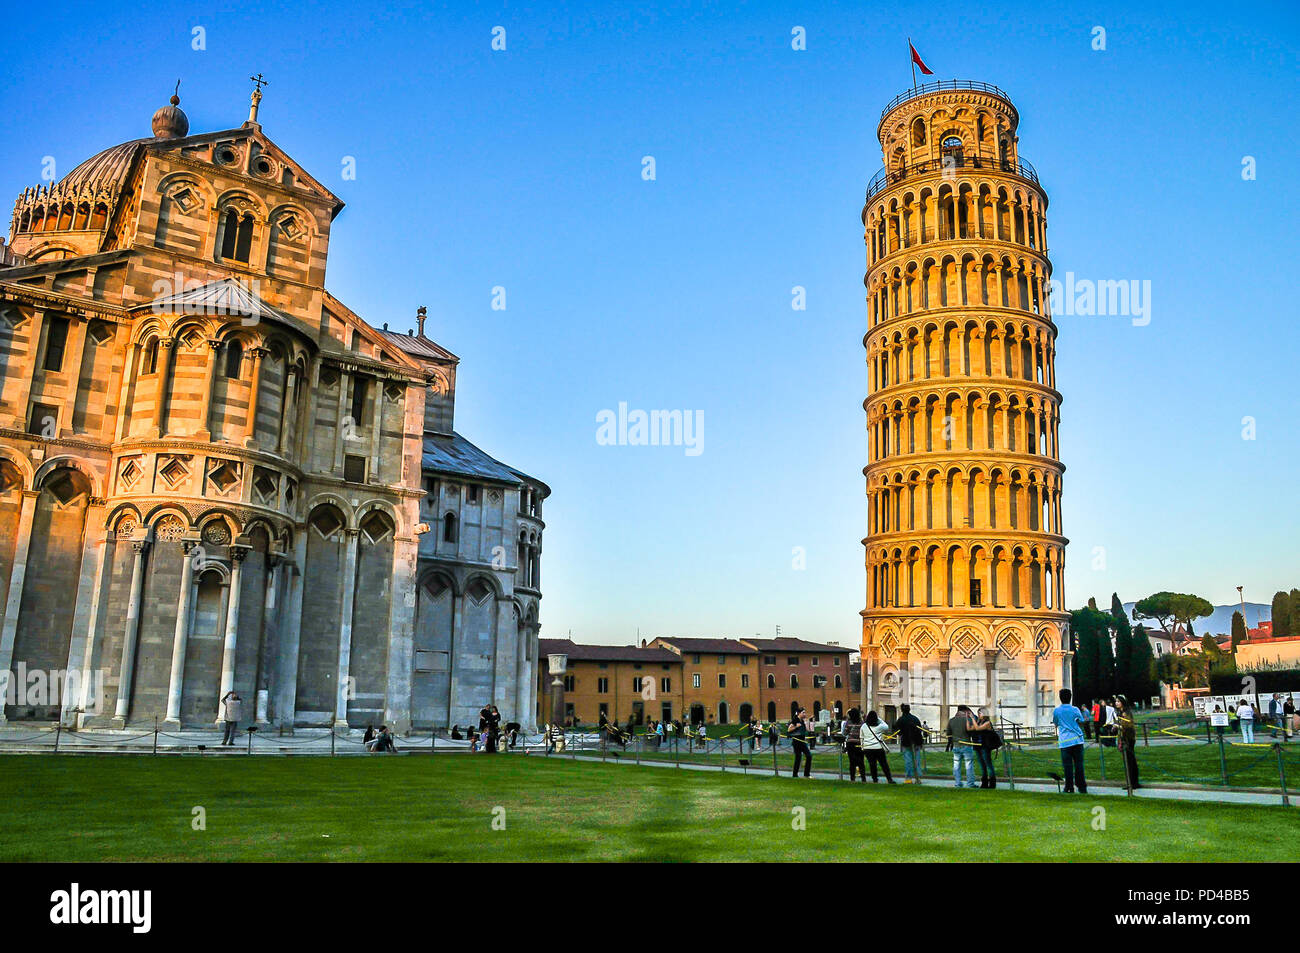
(105, 169)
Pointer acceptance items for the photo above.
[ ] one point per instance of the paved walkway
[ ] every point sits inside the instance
(1225, 796)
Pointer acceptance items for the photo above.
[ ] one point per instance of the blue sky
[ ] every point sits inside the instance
(523, 169)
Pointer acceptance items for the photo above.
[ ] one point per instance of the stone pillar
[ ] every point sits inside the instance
(904, 679)
(126, 666)
(944, 656)
(180, 638)
(1030, 659)
(237, 554)
(14, 599)
(90, 583)
(286, 706)
(250, 434)
(401, 634)
(992, 694)
(270, 636)
(78, 327)
(873, 701)
(167, 349)
(209, 382)
(345, 630)
(1058, 671)
(290, 388)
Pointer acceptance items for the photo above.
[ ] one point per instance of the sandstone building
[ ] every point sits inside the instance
(964, 547)
(214, 474)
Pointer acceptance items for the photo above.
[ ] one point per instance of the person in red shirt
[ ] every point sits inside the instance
(1098, 718)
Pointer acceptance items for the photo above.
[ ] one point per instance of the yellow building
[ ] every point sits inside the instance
(619, 681)
(964, 549)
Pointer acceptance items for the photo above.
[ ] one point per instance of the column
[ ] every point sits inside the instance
(126, 667)
(401, 633)
(209, 381)
(237, 554)
(23, 396)
(287, 696)
(267, 646)
(14, 600)
(944, 655)
(123, 397)
(94, 553)
(250, 434)
(1058, 670)
(339, 431)
(904, 679)
(991, 694)
(168, 351)
(872, 701)
(180, 638)
(1030, 659)
(345, 630)
(290, 388)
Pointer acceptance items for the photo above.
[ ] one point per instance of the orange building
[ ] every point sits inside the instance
(720, 679)
(793, 672)
(612, 679)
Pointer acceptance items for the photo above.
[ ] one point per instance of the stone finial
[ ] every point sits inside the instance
(170, 122)
(420, 314)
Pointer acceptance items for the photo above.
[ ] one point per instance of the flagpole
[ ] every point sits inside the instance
(911, 61)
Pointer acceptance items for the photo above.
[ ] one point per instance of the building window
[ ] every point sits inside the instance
(837, 661)
(237, 238)
(816, 661)
(234, 359)
(722, 681)
(149, 359)
(569, 715)
(449, 528)
(602, 686)
(471, 494)
(974, 592)
(695, 659)
(56, 341)
(722, 660)
(695, 680)
(771, 680)
(769, 659)
(665, 685)
(667, 711)
(839, 682)
(360, 386)
(354, 468)
(819, 681)
(744, 681)
(604, 708)
(794, 680)
(792, 660)
(570, 682)
(43, 421)
(744, 660)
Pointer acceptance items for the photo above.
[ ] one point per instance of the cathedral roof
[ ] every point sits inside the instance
(456, 456)
(418, 345)
(107, 168)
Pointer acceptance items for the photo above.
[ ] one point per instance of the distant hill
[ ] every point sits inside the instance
(1218, 622)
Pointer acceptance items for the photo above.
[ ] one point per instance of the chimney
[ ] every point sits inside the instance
(420, 314)
(643, 643)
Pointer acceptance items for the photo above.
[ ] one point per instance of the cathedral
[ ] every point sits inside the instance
(964, 548)
(216, 476)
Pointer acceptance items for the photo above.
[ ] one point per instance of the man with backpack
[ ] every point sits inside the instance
(910, 739)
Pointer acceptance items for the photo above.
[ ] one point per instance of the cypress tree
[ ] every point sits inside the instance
(1126, 680)
(1142, 664)
(1238, 629)
(1294, 614)
(1281, 614)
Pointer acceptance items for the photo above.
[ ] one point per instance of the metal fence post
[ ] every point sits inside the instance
(1006, 760)
(1281, 773)
(331, 742)
(1101, 748)
(155, 734)
(58, 731)
(636, 744)
(722, 752)
(1146, 736)
(776, 771)
(1223, 760)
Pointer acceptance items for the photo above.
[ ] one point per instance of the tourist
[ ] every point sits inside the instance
(853, 745)
(798, 733)
(1246, 721)
(368, 738)
(1098, 718)
(1288, 717)
(603, 728)
(1069, 738)
(877, 750)
(963, 752)
(1274, 713)
(754, 729)
(986, 741)
(1126, 732)
(911, 740)
(1087, 722)
(702, 736)
(383, 740)
(455, 733)
(231, 707)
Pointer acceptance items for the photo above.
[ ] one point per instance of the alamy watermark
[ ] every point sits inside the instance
(1086, 297)
(651, 428)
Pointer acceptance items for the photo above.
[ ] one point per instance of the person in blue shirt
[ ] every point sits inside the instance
(1069, 732)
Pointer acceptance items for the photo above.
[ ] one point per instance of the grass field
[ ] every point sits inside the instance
(87, 808)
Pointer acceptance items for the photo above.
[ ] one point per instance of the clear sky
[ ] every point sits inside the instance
(522, 169)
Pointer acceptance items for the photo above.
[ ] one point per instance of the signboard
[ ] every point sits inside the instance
(1202, 705)
(1219, 719)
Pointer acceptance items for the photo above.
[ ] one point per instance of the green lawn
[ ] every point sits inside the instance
(125, 808)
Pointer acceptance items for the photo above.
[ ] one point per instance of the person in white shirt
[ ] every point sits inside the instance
(1246, 715)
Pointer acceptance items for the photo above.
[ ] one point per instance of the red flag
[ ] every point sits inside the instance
(916, 58)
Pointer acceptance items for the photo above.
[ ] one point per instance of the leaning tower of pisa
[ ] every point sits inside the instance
(964, 548)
